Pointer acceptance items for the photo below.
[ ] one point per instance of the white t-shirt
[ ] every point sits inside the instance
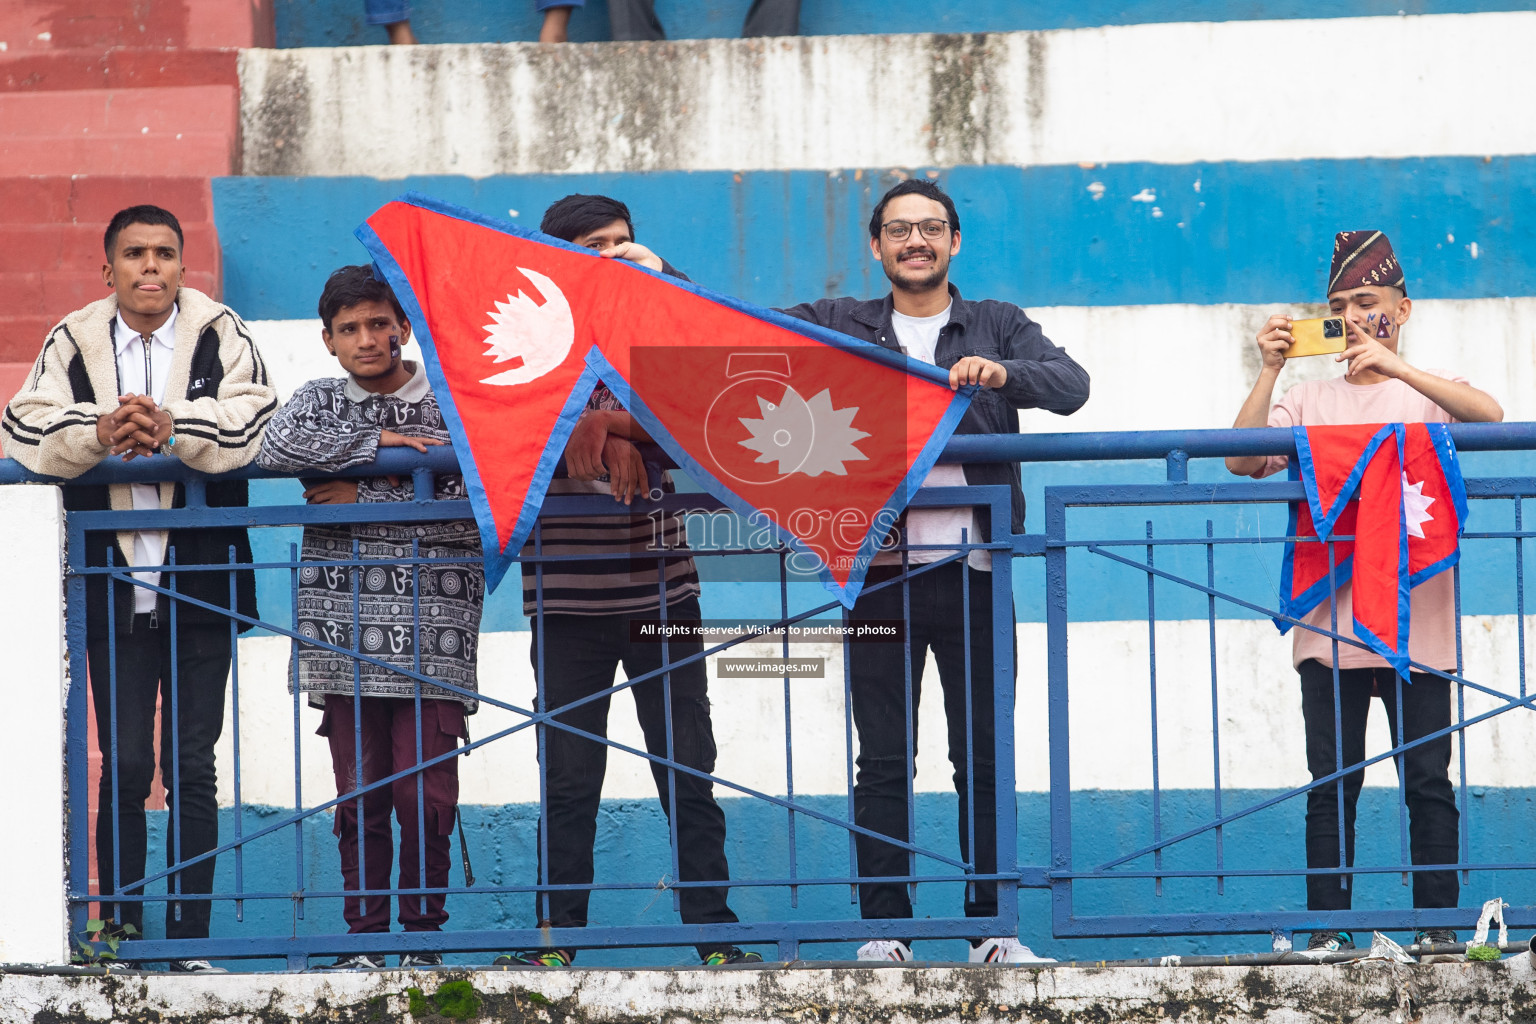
(918, 337)
(148, 545)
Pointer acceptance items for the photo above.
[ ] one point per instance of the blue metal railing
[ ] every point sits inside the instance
(1070, 870)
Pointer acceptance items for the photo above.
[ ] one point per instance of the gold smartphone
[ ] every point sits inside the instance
(1317, 337)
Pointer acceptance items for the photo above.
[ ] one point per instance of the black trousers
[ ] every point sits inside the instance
(636, 19)
(581, 655)
(881, 714)
(144, 666)
(1433, 820)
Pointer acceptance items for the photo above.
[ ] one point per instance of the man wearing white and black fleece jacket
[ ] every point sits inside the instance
(154, 369)
(914, 232)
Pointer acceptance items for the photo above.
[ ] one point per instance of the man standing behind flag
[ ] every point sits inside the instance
(1366, 286)
(588, 606)
(914, 232)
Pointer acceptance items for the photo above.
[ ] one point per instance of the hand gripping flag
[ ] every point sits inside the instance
(818, 438)
(1396, 489)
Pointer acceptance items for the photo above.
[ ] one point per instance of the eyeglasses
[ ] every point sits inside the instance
(899, 230)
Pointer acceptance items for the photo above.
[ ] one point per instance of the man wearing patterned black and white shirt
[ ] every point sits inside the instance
(409, 618)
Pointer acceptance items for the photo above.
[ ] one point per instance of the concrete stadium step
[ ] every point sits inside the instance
(157, 110)
(41, 25)
(93, 198)
(118, 68)
(50, 246)
(210, 153)
(180, 130)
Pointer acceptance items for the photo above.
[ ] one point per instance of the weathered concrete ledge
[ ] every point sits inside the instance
(1164, 93)
(1359, 993)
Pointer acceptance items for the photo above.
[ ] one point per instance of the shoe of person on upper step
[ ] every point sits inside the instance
(1006, 950)
(885, 949)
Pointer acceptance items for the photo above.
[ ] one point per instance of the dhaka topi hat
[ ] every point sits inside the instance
(1364, 258)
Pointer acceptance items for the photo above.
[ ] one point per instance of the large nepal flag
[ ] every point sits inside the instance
(819, 439)
(1396, 490)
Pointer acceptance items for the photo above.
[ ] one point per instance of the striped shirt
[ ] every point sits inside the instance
(621, 572)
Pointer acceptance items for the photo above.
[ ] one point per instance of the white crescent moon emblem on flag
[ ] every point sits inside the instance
(539, 337)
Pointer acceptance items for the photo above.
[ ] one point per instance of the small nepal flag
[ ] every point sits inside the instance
(818, 439)
(1397, 490)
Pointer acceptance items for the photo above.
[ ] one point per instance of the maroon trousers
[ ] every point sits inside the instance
(373, 743)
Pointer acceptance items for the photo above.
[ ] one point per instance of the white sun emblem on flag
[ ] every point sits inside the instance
(537, 335)
(1416, 507)
(804, 437)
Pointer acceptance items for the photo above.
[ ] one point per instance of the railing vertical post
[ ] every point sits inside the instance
(76, 724)
(234, 696)
(1058, 712)
(1157, 789)
(297, 961)
(789, 743)
(1463, 840)
(1210, 612)
(1004, 674)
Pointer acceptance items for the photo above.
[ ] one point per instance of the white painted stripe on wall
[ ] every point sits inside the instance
(1164, 93)
(1159, 367)
(1260, 720)
(1176, 366)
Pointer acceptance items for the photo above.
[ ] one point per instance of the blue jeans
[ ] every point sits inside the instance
(387, 12)
(636, 19)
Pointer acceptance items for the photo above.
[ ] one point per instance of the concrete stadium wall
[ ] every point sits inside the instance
(1166, 93)
(341, 22)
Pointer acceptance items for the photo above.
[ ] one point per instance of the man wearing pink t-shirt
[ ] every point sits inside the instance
(1367, 288)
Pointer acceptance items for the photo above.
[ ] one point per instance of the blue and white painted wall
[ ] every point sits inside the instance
(1141, 190)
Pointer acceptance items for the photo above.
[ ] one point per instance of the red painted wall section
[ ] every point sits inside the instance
(106, 104)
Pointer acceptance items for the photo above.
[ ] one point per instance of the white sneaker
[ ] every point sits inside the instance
(885, 949)
(1006, 951)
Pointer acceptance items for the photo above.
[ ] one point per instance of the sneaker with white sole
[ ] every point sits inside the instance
(885, 949)
(1006, 950)
(194, 967)
(356, 962)
(416, 961)
(1330, 942)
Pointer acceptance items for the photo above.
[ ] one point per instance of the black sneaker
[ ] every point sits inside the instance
(535, 958)
(1330, 942)
(356, 962)
(194, 967)
(415, 961)
(1432, 943)
(731, 955)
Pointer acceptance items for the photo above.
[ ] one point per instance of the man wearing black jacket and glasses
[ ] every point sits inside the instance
(914, 233)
